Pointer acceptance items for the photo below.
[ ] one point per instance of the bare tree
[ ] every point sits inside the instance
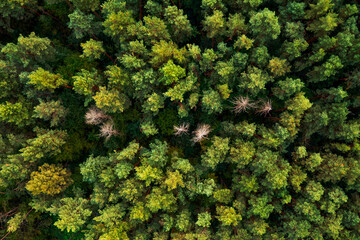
(107, 130)
(95, 116)
(242, 104)
(201, 132)
(182, 129)
(265, 108)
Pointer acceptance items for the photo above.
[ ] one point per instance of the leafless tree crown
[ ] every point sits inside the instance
(182, 129)
(201, 132)
(107, 130)
(265, 108)
(95, 116)
(241, 104)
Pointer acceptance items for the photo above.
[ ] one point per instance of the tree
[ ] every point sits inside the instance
(244, 42)
(211, 102)
(92, 49)
(212, 120)
(148, 128)
(95, 116)
(177, 92)
(204, 219)
(107, 130)
(323, 72)
(82, 24)
(160, 200)
(85, 82)
(154, 29)
(29, 50)
(51, 111)
(216, 153)
(278, 67)
(201, 132)
(111, 101)
(72, 212)
(180, 25)
(17, 113)
(264, 24)
(254, 80)
(49, 180)
(171, 73)
(242, 153)
(315, 190)
(228, 216)
(119, 21)
(214, 25)
(44, 80)
(173, 180)
(260, 206)
(299, 104)
(47, 143)
(285, 89)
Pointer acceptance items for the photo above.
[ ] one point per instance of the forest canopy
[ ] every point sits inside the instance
(180, 119)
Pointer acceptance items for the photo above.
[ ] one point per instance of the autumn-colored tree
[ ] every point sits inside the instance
(49, 180)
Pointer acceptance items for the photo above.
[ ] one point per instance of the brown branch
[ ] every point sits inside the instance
(34, 11)
(5, 214)
(114, 62)
(95, 37)
(97, 15)
(28, 212)
(317, 97)
(46, 13)
(258, 136)
(5, 236)
(281, 109)
(274, 118)
(67, 86)
(69, 4)
(140, 10)
(196, 73)
(312, 39)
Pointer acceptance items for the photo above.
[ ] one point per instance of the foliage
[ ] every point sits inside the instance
(152, 119)
(49, 180)
(44, 80)
(51, 111)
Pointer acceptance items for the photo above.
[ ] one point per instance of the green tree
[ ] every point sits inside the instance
(211, 102)
(72, 213)
(29, 50)
(82, 24)
(111, 101)
(47, 143)
(214, 25)
(92, 49)
(85, 82)
(44, 80)
(51, 111)
(216, 153)
(17, 113)
(180, 25)
(264, 24)
(228, 215)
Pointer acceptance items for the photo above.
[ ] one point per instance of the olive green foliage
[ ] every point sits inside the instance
(51, 111)
(14, 112)
(180, 119)
(44, 80)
